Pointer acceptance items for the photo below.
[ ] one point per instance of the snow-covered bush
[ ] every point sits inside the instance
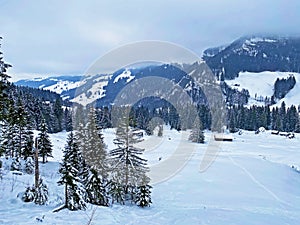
(143, 198)
(29, 166)
(29, 194)
(41, 193)
(37, 195)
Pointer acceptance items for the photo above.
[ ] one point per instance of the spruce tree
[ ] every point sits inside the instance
(9, 143)
(4, 84)
(128, 167)
(29, 166)
(37, 195)
(197, 134)
(20, 121)
(143, 196)
(95, 189)
(69, 170)
(94, 155)
(44, 143)
(41, 193)
(16, 164)
(117, 192)
(95, 149)
(68, 124)
(28, 147)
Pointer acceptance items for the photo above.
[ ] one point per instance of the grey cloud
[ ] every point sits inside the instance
(67, 36)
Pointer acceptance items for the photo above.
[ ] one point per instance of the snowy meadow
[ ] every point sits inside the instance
(254, 180)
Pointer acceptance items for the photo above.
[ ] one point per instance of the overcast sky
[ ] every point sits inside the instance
(65, 37)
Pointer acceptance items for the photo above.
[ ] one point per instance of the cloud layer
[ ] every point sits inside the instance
(65, 37)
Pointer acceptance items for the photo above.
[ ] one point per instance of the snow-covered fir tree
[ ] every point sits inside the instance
(197, 134)
(69, 170)
(117, 192)
(44, 143)
(94, 168)
(28, 146)
(95, 153)
(20, 122)
(128, 167)
(29, 166)
(95, 189)
(143, 195)
(8, 142)
(16, 164)
(4, 84)
(68, 123)
(39, 195)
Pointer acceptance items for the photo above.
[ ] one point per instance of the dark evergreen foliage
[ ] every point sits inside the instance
(95, 189)
(44, 143)
(69, 170)
(283, 86)
(37, 195)
(3, 85)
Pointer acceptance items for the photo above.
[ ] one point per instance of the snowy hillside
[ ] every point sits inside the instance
(251, 182)
(261, 85)
(62, 86)
(254, 54)
(56, 84)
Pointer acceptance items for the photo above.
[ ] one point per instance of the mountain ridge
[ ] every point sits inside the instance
(253, 54)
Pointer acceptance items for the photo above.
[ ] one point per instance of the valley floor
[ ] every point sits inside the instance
(250, 182)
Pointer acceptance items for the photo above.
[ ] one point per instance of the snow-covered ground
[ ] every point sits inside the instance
(61, 86)
(250, 182)
(262, 85)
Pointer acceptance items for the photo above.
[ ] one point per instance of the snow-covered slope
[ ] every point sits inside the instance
(62, 86)
(251, 182)
(92, 88)
(261, 85)
(57, 84)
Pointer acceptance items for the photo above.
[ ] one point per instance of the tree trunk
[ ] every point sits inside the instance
(36, 160)
(66, 195)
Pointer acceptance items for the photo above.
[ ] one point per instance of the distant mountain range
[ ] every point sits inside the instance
(243, 57)
(254, 54)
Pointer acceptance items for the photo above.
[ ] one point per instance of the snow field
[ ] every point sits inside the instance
(250, 182)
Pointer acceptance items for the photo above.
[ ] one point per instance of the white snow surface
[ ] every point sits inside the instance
(96, 91)
(61, 86)
(261, 85)
(126, 74)
(250, 182)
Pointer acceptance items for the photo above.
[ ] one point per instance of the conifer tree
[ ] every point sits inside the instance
(29, 166)
(4, 84)
(128, 167)
(9, 143)
(28, 147)
(41, 193)
(95, 149)
(117, 192)
(37, 195)
(16, 164)
(96, 192)
(95, 156)
(20, 122)
(69, 170)
(68, 124)
(44, 143)
(197, 135)
(143, 196)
